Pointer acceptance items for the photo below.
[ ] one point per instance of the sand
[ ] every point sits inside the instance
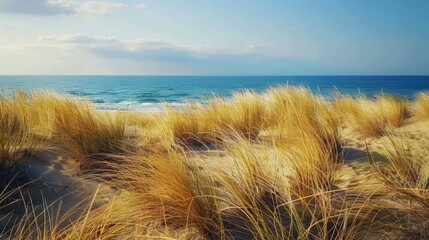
(51, 179)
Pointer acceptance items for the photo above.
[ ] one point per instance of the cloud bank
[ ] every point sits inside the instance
(87, 54)
(148, 49)
(34, 7)
(59, 7)
(141, 6)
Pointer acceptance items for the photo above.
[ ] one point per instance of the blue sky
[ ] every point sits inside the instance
(220, 37)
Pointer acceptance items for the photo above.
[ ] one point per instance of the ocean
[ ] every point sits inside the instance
(148, 93)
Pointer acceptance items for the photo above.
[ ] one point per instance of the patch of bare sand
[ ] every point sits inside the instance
(49, 186)
(356, 171)
(50, 178)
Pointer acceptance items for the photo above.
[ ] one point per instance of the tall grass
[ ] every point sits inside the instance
(407, 168)
(293, 108)
(406, 173)
(318, 208)
(253, 184)
(187, 126)
(273, 174)
(29, 120)
(16, 135)
(161, 192)
(288, 194)
(251, 199)
(372, 118)
(87, 133)
(195, 124)
(249, 114)
(287, 104)
(422, 106)
(244, 114)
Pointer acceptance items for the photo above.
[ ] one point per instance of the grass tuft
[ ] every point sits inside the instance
(16, 136)
(422, 106)
(87, 133)
(372, 118)
(265, 165)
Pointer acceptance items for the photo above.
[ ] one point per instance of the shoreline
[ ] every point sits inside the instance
(241, 163)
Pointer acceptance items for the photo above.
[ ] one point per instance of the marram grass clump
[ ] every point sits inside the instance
(282, 164)
(86, 133)
(422, 106)
(372, 117)
(16, 134)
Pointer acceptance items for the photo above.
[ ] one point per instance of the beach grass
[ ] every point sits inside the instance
(86, 133)
(17, 137)
(372, 117)
(281, 164)
(422, 106)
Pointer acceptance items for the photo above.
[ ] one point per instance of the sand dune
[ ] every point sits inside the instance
(283, 164)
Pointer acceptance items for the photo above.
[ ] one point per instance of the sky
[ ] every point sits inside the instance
(222, 37)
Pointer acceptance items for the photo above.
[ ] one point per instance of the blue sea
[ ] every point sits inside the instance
(147, 93)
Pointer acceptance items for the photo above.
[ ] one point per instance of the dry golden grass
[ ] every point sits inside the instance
(422, 106)
(248, 114)
(87, 133)
(244, 114)
(16, 135)
(406, 174)
(407, 168)
(176, 198)
(163, 196)
(372, 118)
(272, 172)
(274, 193)
(287, 104)
(29, 120)
(294, 110)
(185, 126)
(195, 124)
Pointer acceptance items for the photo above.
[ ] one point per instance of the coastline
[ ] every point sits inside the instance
(255, 151)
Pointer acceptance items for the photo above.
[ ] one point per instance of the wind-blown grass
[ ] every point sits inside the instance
(16, 135)
(270, 170)
(87, 133)
(244, 114)
(29, 120)
(187, 126)
(288, 194)
(407, 168)
(372, 118)
(422, 106)
(406, 173)
(170, 194)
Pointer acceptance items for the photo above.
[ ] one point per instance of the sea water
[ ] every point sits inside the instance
(148, 93)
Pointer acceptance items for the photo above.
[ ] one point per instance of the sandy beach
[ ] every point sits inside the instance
(283, 163)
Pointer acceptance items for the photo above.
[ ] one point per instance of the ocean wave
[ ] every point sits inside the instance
(149, 100)
(77, 93)
(136, 106)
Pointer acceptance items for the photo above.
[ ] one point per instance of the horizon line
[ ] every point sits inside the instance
(220, 75)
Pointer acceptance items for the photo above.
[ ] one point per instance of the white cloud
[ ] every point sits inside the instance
(141, 6)
(59, 7)
(34, 7)
(98, 8)
(86, 54)
(75, 38)
(148, 49)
